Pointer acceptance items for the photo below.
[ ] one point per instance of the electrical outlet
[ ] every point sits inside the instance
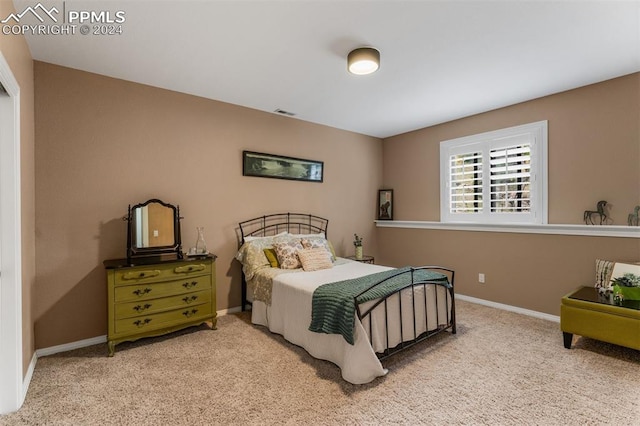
(481, 278)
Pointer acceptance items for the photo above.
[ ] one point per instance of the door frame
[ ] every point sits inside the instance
(11, 364)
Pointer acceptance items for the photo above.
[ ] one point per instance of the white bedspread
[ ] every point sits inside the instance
(290, 316)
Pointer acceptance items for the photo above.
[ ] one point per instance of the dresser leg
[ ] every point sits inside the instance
(214, 323)
(568, 337)
(112, 347)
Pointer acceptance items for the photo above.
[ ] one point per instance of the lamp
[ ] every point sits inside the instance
(364, 60)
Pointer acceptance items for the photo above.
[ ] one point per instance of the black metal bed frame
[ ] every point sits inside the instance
(273, 224)
(383, 303)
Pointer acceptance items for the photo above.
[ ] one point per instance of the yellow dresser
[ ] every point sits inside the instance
(147, 299)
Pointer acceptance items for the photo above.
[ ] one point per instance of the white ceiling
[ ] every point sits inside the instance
(439, 60)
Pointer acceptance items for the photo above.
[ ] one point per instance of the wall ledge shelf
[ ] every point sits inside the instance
(615, 231)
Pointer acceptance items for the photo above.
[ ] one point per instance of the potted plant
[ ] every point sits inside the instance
(357, 242)
(626, 287)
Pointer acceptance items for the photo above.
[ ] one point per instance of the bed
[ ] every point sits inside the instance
(385, 309)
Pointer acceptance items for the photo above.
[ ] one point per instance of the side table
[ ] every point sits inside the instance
(365, 259)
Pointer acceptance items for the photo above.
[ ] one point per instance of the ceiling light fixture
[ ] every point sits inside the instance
(364, 60)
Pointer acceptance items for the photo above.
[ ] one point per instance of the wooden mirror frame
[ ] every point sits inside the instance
(171, 251)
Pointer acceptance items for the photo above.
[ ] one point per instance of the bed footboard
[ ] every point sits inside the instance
(425, 308)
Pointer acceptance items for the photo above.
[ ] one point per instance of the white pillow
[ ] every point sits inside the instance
(252, 238)
(319, 234)
(619, 269)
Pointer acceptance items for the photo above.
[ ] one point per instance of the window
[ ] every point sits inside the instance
(495, 177)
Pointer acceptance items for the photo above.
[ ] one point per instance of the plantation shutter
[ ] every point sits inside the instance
(466, 183)
(510, 179)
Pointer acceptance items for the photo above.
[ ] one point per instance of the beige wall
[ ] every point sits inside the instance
(16, 52)
(594, 154)
(104, 143)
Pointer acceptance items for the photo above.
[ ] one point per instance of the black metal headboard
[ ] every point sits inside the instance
(272, 224)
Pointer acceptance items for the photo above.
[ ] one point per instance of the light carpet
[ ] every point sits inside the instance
(501, 368)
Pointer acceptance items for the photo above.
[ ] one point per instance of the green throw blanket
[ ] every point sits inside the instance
(333, 310)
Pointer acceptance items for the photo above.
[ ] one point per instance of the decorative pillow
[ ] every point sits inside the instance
(604, 268)
(620, 269)
(287, 253)
(250, 252)
(314, 259)
(252, 256)
(319, 242)
(272, 257)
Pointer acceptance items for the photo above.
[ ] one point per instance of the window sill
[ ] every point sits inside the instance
(583, 230)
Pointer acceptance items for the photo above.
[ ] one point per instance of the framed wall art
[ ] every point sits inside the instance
(279, 167)
(385, 204)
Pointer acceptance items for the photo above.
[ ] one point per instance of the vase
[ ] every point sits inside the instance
(359, 252)
(201, 245)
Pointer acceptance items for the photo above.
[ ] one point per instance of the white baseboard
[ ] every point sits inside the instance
(229, 311)
(27, 377)
(509, 308)
(98, 340)
(71, 346)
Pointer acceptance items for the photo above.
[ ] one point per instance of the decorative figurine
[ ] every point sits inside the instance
(633, 219)
(599, 212)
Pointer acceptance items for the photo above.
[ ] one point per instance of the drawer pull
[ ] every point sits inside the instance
(142, 292)
(140, 274)
(190, 299)
(142, 323)
(190, 285)
(140, 308)
(190, 268)
(190, 313)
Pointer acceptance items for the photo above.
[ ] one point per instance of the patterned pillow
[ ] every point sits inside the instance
(314, 259)
(287, 253)
(604, 268)
(319, 242)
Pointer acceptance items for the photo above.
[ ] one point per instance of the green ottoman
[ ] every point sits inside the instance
(588, 313)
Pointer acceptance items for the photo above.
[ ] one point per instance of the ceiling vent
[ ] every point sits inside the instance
(283, 112)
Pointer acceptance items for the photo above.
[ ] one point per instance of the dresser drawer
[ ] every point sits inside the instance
(152, 306)
(142, 274)
(153, 290)
(144, 323)
(158, 297)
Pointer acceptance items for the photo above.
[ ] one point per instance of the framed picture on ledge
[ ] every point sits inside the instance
(385, 204)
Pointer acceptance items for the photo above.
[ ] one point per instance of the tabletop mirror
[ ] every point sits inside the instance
(153, 229)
